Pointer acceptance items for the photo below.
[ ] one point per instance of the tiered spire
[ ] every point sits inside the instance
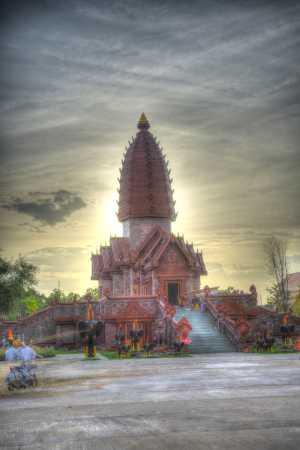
(145, 182)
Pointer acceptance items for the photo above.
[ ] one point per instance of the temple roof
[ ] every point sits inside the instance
(156, 243)
(145, 183)
(118, 254)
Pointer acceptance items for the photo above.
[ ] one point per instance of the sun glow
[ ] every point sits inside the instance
(108, 220)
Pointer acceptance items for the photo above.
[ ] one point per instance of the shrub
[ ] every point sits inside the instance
(45, 352)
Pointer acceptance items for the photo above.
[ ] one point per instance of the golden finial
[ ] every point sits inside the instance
(143, 123)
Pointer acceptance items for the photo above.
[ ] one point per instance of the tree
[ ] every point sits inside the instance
(72, 297)
(31, 302)
(274, 297)
(15, 278)
(56, 295)
(93, 292)
(29, 305)
(276, 262)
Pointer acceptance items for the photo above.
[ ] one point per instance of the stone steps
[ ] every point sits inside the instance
(205, 336)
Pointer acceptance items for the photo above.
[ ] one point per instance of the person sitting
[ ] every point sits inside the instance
(27, 353)
(18, 347)
(10, 354)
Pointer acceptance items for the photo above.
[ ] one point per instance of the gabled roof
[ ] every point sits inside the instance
(147, 256)
(156, 237)
(156, 244)
(120, 250)
(111, 257)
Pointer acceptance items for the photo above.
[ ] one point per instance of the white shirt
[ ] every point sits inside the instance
(27, 353)
(10, 354)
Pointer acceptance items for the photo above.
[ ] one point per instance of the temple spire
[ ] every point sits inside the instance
(143, 123)
(145, 183)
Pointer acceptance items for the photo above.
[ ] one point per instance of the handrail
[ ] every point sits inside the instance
(224, 325)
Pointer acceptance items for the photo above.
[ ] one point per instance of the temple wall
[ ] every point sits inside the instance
(95, 259)
(106, 285)
(196, 283)
(155, 284)
(126, 282)
(137, 229)
(110, 332)
(118, 284)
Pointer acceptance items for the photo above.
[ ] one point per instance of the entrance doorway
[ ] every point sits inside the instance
(173, 292)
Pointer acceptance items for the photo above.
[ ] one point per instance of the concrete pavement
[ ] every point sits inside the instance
(216, 401)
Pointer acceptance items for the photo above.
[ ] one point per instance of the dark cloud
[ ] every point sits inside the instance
(47, 208)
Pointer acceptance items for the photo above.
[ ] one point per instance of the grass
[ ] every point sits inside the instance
(64, 351)
(114, 355)
(45, 352)
(111, 355)
(275, 349)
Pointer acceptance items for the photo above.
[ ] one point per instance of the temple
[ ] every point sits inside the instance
(145, 275)
(148, 263)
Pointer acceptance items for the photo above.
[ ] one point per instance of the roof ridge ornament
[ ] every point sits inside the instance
(143, 123)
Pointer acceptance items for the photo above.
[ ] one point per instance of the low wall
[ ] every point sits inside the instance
(56, 324)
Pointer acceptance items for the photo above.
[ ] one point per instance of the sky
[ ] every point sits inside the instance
(219, 83)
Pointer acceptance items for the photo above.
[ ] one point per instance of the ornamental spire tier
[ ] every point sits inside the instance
(145, 194)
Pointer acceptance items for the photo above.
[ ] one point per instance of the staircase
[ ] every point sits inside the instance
(205, 336)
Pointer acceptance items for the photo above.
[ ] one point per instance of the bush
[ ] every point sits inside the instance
(45, 352)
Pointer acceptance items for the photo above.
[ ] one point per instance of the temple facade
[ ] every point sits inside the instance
(149, 268)
(144, 274)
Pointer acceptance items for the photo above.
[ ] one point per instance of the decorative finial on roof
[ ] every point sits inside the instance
(143, 123)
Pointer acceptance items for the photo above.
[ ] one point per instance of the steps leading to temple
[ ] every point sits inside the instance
(206, 338)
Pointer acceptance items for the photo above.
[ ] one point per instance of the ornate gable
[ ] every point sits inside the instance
(151, 251)
(172, 258)
(154, 240)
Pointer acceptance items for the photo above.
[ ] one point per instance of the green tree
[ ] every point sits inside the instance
(56, 295)
(93, 292)
(274, 297)
(31, 302)
(72, 297)
(29, 305)
(15, 279)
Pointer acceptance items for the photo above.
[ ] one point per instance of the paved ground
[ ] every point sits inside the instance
(223, 401)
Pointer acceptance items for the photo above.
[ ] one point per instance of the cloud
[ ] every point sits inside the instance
(219, 81)
(47, 208)
(214, 267)
(63, 257)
